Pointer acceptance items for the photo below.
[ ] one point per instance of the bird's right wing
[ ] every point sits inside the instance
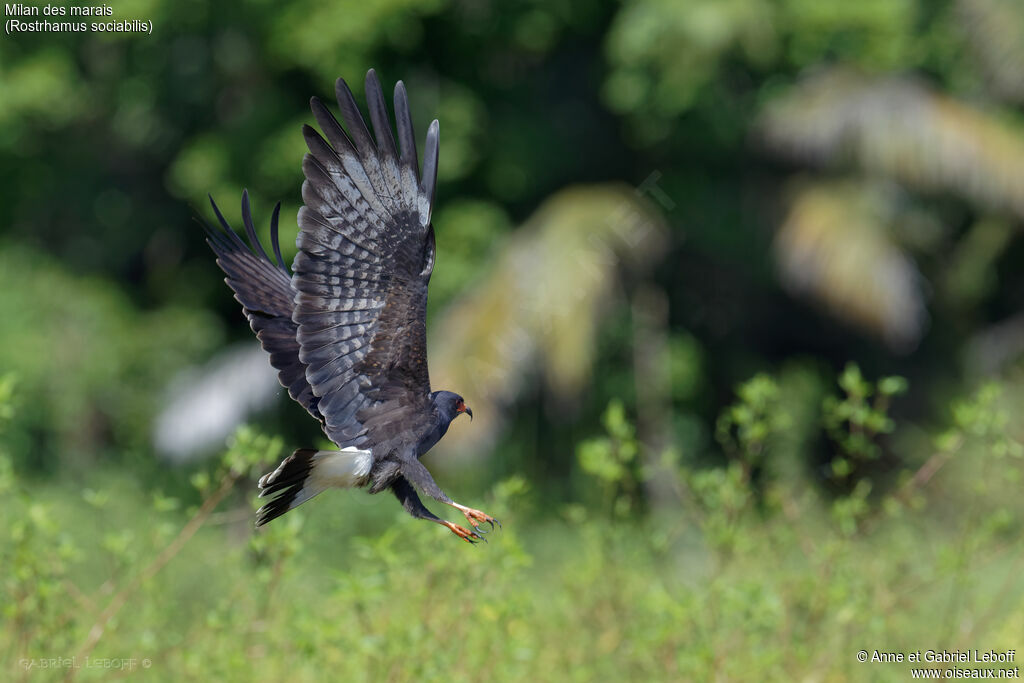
(366, 252)
(265, 292)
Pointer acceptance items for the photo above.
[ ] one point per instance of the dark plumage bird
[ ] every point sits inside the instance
(346, 330)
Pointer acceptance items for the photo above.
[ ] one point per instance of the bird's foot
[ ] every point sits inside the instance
(476, 518)
(464, 533)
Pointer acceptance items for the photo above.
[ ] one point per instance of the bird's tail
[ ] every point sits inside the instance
(307, 472)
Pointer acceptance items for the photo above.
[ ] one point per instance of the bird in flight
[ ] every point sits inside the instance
(346, 329)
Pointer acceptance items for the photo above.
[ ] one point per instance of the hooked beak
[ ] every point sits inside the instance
(469, 411)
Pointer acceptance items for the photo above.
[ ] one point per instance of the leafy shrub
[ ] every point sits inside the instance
(723, 589)
(91, 368)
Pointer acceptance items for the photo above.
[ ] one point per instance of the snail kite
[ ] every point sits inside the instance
(346, 328)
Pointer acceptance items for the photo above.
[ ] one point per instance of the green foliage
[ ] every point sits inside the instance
(665, 53)
(718, 591)
(666, 56)
(613, 459)
(35, 553)
(250, 453)
(7, 384)
(657, 555)
(686, 361)
(470, 229)
(855, 422)
(608, 458)
(802, 577)
(723, 496)
(744, 428)
(91, 367)
(849, 510)
(985, 419)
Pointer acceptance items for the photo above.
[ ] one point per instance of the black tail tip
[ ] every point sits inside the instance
(286, 481)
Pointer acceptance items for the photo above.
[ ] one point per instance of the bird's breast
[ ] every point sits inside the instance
(430, 439)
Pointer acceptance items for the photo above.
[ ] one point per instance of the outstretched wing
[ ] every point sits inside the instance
(366, 251)
(265, 291)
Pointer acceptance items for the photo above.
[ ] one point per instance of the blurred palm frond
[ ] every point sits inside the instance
(971, 273)
(995, 30)
(543, 300)
(897, 128)
(835, 246)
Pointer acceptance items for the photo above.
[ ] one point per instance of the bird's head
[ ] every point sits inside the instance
(450, 404)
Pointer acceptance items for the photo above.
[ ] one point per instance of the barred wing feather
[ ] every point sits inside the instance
(265, 291)
(366, 252)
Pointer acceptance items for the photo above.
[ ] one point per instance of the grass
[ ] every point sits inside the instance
(354, 590)
(749, 576)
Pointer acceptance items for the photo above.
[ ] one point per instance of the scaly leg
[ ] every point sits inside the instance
(415, 472)
(473, 516)
(406, 494)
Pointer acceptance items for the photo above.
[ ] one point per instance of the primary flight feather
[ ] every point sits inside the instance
(346, 329)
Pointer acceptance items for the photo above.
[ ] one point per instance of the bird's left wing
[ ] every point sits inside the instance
(366, 252)
(265, 291)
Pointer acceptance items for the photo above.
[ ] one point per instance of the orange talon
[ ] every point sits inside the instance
(463, 533)
(475, 517)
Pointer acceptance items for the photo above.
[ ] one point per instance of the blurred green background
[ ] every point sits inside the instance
(732, 286)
